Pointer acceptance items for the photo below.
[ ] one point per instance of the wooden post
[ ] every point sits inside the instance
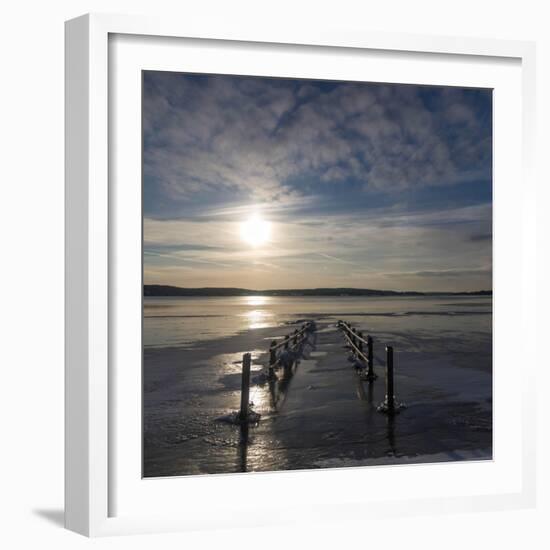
(390, 406)
(245, 388)
(272, 359)
(295, 340)
(287, 337)
(389, 379)
(370, 359)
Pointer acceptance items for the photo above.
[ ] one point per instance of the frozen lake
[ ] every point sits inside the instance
(186, 321)
(324, 416)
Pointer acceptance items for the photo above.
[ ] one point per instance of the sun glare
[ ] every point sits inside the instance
(255, 231)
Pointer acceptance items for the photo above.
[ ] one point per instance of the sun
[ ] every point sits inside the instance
(255, 231)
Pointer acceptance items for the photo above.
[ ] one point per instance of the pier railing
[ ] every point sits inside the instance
(357, 342)
(362, 348)
(286, 353)
(282, 354)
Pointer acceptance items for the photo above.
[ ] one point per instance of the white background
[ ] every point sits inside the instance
(31, 278)
(133, 496)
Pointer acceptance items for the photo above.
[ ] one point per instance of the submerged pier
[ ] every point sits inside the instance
(319, 411)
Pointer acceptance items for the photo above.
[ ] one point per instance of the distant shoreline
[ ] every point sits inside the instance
(167, 290)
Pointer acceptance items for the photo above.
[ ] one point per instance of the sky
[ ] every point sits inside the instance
(267, 183)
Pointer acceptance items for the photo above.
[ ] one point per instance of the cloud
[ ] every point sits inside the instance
(177, 247)
(276, 140)
(445, 273)
(363, 183)
(427, 250)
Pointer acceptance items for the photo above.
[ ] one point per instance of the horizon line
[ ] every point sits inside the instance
(315, 288)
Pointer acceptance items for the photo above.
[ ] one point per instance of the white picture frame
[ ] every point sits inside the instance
(91, 396)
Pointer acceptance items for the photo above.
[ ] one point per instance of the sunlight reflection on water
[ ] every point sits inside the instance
(257, 300)
(258, 318)
(186, 321)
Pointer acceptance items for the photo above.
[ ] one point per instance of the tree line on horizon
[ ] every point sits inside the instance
(167, 290)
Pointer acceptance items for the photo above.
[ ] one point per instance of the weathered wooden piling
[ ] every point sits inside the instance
(390, 405)
(272, 359)
(390, 398)
(370, 376)
(245, 388)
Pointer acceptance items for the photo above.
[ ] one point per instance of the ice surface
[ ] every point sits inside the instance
(324, 415)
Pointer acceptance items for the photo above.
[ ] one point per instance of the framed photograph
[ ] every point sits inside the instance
(296, 266)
